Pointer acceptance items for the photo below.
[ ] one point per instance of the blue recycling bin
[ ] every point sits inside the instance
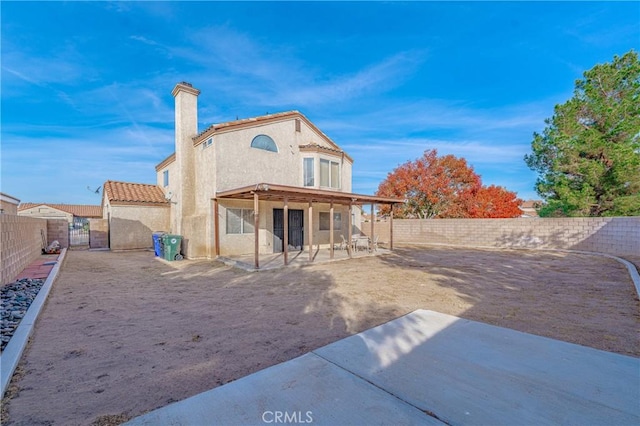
(158, 247)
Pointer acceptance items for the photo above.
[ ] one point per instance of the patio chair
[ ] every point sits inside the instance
(362, 243)
(342, 245)
(374, 245)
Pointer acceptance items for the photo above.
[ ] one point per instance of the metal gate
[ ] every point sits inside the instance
(296, 229)
(79, 232)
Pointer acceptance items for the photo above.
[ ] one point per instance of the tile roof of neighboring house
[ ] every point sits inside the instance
(530, 207)
(134, 193)
(80, 210)
(531, 204)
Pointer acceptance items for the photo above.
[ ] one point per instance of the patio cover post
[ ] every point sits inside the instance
(331, 230)
(256, 225)
(310, 231)
(349, 231)
(286, 231)
(391, 229)
(373, 221)
(216, 228)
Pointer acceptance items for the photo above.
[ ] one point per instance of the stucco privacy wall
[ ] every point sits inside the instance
(21, 239)
(132, 226)
(618, 236)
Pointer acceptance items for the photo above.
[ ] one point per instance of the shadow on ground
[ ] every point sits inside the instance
(124, 333)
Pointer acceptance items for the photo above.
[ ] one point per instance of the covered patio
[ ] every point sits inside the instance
(290, 194)
(298, 258)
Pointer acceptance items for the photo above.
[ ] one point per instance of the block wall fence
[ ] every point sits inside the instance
(98, 233)
(58, 229)
(618, 236)
(21, 241)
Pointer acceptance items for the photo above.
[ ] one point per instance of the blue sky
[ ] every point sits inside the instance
(86, 87)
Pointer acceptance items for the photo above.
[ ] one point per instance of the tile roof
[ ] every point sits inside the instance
(314, 147)
(80, 210)
(134, 193)
(245, 121)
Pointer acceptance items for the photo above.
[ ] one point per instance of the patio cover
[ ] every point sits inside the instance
(287, 194)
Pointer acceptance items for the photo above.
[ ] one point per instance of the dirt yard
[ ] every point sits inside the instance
(124, 333)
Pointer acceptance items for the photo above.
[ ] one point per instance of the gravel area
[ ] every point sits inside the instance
(15, 299)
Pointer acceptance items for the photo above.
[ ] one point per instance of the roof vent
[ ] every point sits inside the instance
(186, 84)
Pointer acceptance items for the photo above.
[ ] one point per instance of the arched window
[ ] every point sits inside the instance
(264, 142)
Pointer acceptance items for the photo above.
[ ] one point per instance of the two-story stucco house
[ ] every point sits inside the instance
(262, 185)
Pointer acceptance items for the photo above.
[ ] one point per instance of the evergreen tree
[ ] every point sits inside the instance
(588, 156)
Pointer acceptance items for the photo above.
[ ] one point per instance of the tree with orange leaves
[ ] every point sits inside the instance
(445, 187)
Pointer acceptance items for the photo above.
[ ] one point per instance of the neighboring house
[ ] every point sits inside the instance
(134, 211)
(230, 185)
(72, 213)
(8, 204)
(530, 208)
(77, 215)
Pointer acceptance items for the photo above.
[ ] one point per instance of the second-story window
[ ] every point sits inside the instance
(307, 172)
(264, 142)
(329, 174)
(165, 178)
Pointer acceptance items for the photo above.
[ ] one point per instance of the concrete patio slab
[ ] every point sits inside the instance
(296, 258)
(423, 367)
(467, 372)
(307, 389)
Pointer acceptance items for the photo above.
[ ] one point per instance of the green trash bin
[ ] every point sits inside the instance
(172, 247)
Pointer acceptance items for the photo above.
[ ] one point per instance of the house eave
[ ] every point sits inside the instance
(272, 192)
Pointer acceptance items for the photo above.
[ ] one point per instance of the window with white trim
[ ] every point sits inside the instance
(324, 221)
(240, 221)
(329, 173)
(308, 176)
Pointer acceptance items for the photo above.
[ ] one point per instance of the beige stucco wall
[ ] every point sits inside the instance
(236, 244)
(173, 189)
(8, 207)
(131, 227)
(240, 165)
(230, 162)
(46, 212)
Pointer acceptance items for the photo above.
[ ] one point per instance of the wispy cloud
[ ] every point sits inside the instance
(90, 158)
(236, 63)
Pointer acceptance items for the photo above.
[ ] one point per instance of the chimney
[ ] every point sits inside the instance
(186, 110)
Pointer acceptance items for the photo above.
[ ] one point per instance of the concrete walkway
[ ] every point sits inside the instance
(425, 368)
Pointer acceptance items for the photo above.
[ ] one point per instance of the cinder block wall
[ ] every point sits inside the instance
(98, 233)
(619, 236)
(58, 229)
(21, 239)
